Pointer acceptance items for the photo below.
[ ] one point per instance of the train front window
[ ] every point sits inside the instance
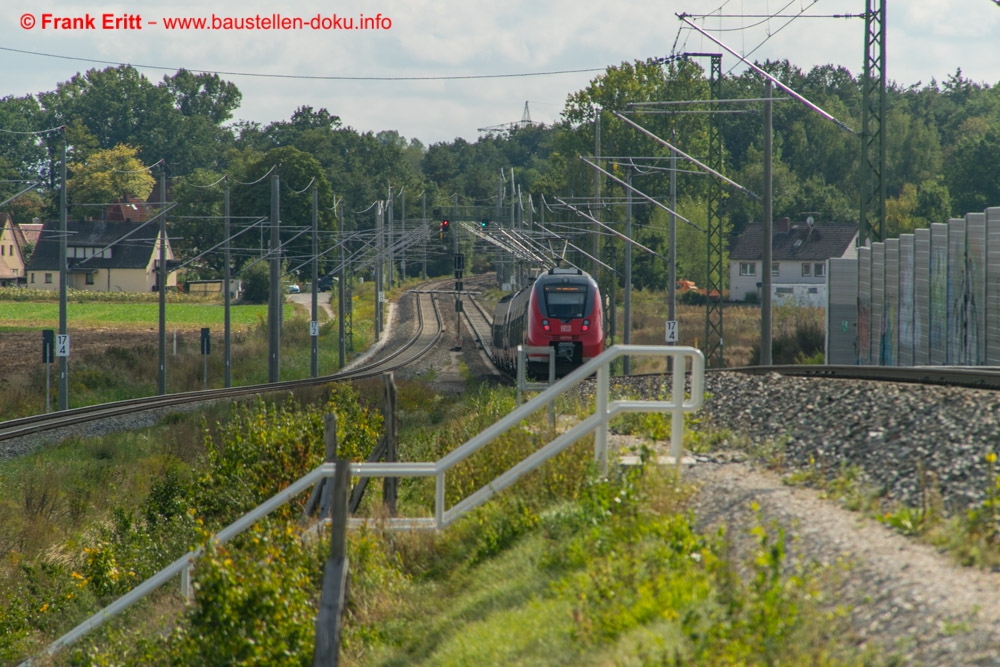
(565, 302)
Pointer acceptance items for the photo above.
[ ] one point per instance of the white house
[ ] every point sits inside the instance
(798, 259)
(102, 256)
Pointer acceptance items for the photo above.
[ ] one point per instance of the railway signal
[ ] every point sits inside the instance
(443, 230)
(484, 223)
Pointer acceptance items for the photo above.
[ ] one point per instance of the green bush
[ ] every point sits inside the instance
(804, 344)
(256, 283)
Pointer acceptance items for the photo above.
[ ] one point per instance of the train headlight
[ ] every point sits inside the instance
(586, 326)
(545, 325)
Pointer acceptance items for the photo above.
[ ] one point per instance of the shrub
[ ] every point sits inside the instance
(802, 345)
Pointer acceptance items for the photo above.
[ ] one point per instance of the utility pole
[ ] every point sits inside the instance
(161, 278)
(379, 265)
(596, 242)
(500, 191)
(672, 262)
(392, 259)
(765, 296)
(314, 328)
(63, 232)
(274, 302)
(402, 234)
(456, 261)
(513, 225)
(341, 294)
(423, 216)
(227, 298)
(627, 333)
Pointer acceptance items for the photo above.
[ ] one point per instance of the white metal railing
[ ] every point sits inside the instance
(597, 423)
(604, 411)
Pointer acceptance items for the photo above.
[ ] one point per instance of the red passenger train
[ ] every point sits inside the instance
(563, 310)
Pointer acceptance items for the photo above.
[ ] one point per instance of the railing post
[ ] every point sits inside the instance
(187, 590)
(552, 381)
(390, 485)
(601, 434)
(521, 363)
(677, 417)
(320, 497)
(439, 500)
(331, 605)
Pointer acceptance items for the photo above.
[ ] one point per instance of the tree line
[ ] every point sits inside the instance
(942, 139)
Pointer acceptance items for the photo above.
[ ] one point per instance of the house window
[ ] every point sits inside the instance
(806, 269)
(774, 270)
(820, 270)
(89, 279)
(748, 269)
(2, 248)
(48, 278)
(32, 277)
(814, 290)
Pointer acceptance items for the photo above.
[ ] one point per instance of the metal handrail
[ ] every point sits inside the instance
(596, 423)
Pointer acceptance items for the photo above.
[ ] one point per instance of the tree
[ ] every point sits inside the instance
(178, 120)
(256, 283)
(107, 175)
(203, 95)
(298, 172)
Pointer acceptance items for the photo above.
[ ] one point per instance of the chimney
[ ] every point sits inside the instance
(781, 225)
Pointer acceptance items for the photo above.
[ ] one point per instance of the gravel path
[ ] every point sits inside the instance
(909, 599)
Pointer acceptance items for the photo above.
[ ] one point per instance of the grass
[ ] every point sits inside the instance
(741, 326)
(564, 568)
(28, 315)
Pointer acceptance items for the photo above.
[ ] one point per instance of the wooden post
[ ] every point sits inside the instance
(320, 497)
(331, 606)
(390, 485)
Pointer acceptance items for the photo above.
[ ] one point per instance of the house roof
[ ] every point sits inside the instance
(31, 231)
(133, 252)
(800, 242)
(131, 209)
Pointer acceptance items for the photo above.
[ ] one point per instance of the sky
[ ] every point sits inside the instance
(418, 39)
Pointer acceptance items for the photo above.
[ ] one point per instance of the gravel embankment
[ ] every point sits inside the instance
(904, 599)
(897, 434)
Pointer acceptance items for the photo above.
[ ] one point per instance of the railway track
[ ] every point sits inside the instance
(480, 324)
(418, 345)
(973, 377)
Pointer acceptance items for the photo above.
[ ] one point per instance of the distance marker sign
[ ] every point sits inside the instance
(671, 331)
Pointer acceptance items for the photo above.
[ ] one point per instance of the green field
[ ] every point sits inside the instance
(28, 315)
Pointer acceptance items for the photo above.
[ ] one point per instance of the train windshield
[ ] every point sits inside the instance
(565, 302)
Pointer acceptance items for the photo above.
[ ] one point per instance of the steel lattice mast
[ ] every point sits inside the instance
(872, 214)
(716, 275)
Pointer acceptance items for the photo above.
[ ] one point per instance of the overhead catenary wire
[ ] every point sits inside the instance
(701, 164)
(268, 173)
(788, 90)
(138, 171)
(34, 132)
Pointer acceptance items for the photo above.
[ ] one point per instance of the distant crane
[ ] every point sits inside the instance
(517, 124)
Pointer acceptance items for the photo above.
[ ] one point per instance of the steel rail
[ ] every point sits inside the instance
(26, 426)
(485, 339)
(973, 377)
(380, 366)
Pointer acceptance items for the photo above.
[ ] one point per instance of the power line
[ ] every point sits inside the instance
(453, 77)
